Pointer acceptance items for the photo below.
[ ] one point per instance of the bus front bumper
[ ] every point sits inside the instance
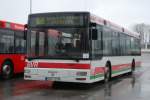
(62, 75)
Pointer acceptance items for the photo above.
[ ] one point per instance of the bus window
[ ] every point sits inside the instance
(7, 41)
(19, 42)
(41, 43)
(33, 43)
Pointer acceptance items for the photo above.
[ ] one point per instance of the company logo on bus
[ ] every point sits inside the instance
(32, 64)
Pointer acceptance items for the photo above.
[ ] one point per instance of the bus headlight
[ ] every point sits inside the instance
(81, 73)
(27, 71)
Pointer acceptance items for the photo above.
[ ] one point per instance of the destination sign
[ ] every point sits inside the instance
(62, 20)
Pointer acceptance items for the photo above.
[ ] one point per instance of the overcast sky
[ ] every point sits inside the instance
(123, 12)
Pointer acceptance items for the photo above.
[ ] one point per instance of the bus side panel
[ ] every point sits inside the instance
(122, 64)
(18, 61)
(119, 65)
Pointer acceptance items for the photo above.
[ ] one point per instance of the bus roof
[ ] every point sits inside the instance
(75, 12)
(11, 25)
(112, 25)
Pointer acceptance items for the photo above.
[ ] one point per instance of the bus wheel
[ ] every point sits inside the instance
(107, 74)
(133, 66)
(7, 70)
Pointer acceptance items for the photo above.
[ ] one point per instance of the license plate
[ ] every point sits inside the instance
(53, 78)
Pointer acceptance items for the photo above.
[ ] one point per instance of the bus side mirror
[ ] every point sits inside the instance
(25, 31)
(94, 34)
(25, 34)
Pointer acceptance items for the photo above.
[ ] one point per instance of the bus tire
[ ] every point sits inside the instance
(7, 70)
(133, 66)
(107, 74)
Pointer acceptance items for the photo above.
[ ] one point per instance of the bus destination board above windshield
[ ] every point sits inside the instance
(60, 20)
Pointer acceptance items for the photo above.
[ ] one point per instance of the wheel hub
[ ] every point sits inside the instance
(6, 69)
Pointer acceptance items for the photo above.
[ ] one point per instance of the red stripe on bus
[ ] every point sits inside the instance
(82, 66)
(99, 70)
(121, 66)
(64, 65)
(115, 67)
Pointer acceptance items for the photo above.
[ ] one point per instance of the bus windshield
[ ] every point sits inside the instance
(58, 43)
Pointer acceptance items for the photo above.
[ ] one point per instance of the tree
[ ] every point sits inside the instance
(139, 28)
(144, 31)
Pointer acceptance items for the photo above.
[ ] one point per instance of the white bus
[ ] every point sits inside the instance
(78, 47)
